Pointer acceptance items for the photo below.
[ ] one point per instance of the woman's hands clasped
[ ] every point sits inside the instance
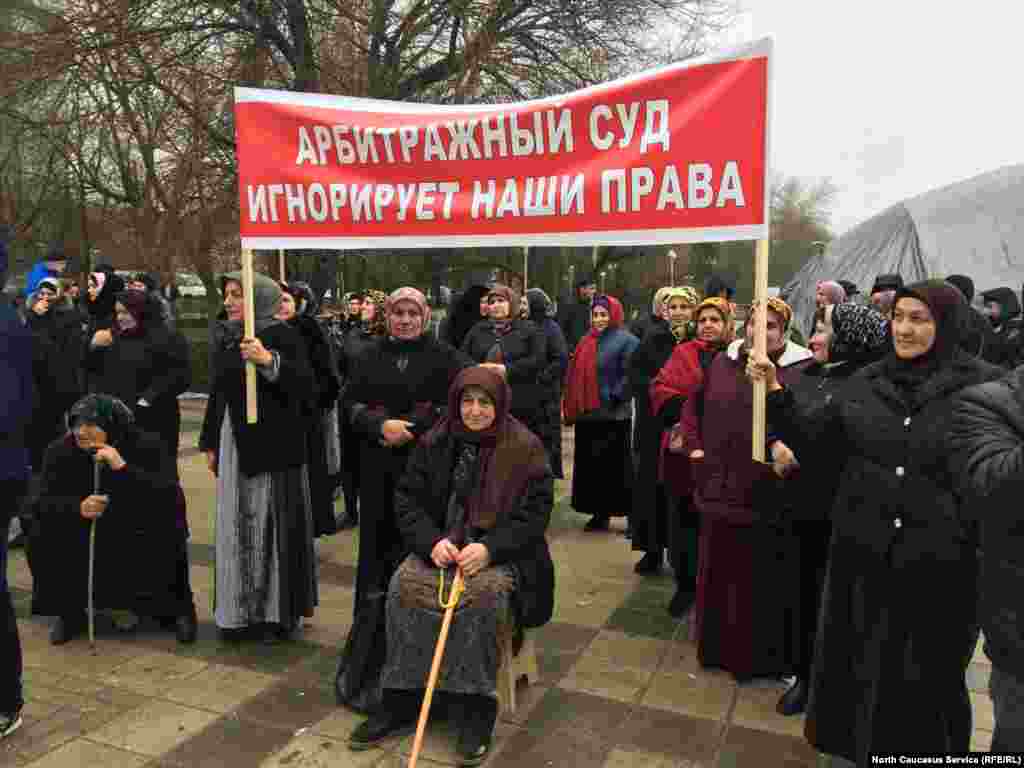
(472, 558)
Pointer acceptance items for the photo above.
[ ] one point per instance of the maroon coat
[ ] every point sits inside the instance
(719, 422)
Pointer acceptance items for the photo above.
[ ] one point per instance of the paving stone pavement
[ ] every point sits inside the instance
(620, 684)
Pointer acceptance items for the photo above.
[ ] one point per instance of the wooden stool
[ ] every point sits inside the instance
(512, 667)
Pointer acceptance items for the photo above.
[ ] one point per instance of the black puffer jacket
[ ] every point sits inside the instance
(988, 459)
(524, 352)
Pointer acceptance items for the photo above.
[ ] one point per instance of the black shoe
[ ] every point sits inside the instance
(273, 634)
(378, 727)
(477, 731)
(649, 563)
(681, 602)
(65, 629)
(596, 524)
(185, 627)
(628, 533)
(10, 722)
(233, 635)
(793, 701)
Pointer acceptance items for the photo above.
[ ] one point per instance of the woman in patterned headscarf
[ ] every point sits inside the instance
(141, 563)
(679, 379)
(847, 338)
(266, 570)
(649, 522)
(396, 394)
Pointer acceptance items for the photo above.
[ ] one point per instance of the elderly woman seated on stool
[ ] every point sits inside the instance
(141, 560)
(477, 495)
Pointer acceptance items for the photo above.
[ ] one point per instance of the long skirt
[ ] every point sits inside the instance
(321, 488)
(482, 620)
(748, 599)
(602, 474)
(266, 568)
(895, 638)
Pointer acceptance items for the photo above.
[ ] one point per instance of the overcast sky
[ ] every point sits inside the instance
(892, 98)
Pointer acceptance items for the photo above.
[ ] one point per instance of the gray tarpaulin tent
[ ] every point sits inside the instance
(973, 228)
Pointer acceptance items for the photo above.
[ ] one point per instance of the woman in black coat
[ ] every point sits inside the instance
(551, 376)
(298, 309)
(141, 563)
(464, 315)
(398, 391)
(649, 521)
(988, 458)
(889, 666)
(847, 338)
(516, 349)
(104, 286)
(359, 340)
(145, 366)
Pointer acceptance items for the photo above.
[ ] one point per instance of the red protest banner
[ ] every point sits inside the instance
(677, 154)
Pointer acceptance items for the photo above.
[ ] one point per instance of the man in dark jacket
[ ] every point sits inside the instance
(1003, 309)
(988, 459)
(16, 398)
(574, 316)
(978, 335)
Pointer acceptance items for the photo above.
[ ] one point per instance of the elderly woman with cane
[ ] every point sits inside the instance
(138, 542)
(477, 495)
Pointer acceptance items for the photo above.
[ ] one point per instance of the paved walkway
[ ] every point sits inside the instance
(620, 687)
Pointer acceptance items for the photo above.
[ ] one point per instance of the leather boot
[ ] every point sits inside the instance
(66, 628)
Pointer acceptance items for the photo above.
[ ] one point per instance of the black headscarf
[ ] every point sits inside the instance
(860, 334)
(949, 309)
(103, 411)
(465, 314)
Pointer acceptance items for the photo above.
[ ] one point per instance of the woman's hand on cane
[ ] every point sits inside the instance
(110, 456)
(473, 558)
(93, 506)
(444, 553)
(211, 462)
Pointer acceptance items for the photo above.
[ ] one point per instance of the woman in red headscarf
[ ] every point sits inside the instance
(597, 402)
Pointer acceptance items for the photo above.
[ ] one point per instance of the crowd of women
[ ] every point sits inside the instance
(445, 446)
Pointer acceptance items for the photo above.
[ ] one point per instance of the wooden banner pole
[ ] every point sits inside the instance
(280, 263)
(251, 402)
(760, 345)
(526, 267)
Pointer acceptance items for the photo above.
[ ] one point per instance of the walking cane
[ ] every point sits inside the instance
(435, 667)
(92, 555)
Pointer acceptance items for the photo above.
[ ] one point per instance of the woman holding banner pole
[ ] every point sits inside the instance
(266, 570)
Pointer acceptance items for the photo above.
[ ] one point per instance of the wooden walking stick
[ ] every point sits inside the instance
(92, 556)
(435, 668)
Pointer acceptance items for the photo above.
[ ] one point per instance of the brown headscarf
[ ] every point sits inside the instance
(492, 467)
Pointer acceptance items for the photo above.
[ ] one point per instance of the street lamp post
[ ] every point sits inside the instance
(672, 256)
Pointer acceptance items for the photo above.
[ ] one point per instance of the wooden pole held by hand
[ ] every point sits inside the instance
(280, 264)
(251, 401)
(435, 667)
(760, 346)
